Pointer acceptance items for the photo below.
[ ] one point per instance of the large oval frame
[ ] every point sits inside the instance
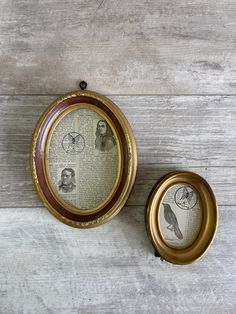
(208, 227)
(127, 171)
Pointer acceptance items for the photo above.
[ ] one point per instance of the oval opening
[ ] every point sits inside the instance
(180, 216)
(83, 158)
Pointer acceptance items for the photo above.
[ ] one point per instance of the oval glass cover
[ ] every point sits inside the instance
(84, 158)
(180, 216)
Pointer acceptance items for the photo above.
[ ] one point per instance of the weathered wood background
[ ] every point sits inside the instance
(171, 67)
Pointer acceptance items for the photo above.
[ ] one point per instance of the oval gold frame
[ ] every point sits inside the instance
(127, 159)
(208, 227)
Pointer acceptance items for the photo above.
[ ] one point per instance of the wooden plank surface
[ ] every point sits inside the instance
(173, 133)
(178, 58)
(119, 47)
(48, 267)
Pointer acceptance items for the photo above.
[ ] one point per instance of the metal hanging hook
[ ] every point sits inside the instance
(83, 85)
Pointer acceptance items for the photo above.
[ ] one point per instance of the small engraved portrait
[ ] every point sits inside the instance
(185, 197)
(67, 182)
(105, 139)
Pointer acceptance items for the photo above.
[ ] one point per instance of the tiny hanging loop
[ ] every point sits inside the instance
(83, 85)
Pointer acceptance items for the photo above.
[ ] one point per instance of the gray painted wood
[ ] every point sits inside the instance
(48, 267)
(173, 133)
(119, 47)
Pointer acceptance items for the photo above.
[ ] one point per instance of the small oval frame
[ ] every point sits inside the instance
(209, 223)
(128, 152)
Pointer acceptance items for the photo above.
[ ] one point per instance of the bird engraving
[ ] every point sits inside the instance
(186, 195)
(171, 219)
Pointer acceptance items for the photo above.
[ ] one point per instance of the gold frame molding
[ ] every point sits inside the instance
(127, 148)
(208, 228)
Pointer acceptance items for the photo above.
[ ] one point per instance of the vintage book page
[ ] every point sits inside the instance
(180, 215)
(83, 159)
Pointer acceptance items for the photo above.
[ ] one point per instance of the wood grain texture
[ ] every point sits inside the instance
(172, 133)
(118, 47)
(47, 267)
(182, 49)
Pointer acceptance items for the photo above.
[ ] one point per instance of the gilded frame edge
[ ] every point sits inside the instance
(132, 160)
(149, 222)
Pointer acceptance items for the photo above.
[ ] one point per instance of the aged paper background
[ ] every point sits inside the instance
(180, 215)
(72, 146)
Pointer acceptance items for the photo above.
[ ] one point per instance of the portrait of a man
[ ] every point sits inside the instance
(67, 181)
(105, 139)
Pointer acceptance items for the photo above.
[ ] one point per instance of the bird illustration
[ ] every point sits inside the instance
(172, 221)
(186, 195)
